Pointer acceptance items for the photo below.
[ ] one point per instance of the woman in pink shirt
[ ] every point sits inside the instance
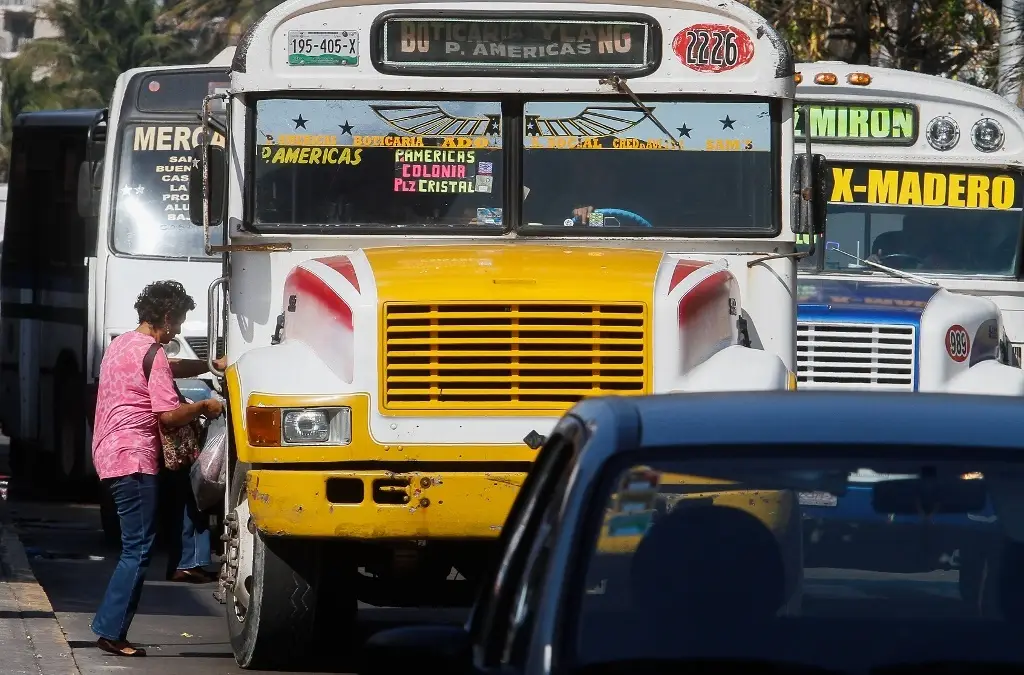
(126, 447)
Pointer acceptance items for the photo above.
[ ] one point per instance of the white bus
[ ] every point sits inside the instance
(132, 227)
(922, 244)
(447, 223)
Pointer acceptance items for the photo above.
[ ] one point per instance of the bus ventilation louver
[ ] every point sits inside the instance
(855, 356)
(521, 356)
(201, 347)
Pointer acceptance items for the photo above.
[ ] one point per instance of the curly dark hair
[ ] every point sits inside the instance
(163, 301)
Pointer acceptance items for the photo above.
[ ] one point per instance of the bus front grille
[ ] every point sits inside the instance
(201, 347)
(519, 356)
(855, 356)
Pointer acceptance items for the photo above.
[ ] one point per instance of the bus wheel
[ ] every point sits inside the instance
(69, 423)
(109, 519)
(280, 598)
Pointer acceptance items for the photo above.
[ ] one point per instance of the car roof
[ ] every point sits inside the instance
(800, 418)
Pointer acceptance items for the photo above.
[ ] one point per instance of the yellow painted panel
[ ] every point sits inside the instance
(443, 506)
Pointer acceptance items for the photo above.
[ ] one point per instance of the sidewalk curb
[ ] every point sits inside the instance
(26, 616)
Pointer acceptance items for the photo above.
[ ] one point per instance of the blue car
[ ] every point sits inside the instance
(650, 536)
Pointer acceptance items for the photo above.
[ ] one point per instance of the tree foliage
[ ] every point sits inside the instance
(952, 38)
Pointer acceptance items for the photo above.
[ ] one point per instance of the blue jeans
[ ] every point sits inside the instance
(136, 499)
(188, 532)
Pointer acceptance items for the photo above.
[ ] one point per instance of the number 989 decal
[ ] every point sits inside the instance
(713, 47)
(958, 343)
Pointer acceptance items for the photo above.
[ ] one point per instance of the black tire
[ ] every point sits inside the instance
(290, 582)
(68, 426)
(109, 520)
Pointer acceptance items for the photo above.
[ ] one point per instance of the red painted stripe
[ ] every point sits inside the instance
(716, 288)
(342, 264)
(304, 284)
(684, 268)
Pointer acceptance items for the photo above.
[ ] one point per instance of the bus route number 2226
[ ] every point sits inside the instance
(323, 48)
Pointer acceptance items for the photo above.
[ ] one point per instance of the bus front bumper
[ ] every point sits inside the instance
(374, 505)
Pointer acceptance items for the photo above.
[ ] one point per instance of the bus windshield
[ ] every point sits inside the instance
(926, 233)
(337, 165)
(605, 165)
(151, 203)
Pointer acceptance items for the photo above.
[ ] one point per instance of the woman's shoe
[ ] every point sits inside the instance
(196, 575)
(119, 647)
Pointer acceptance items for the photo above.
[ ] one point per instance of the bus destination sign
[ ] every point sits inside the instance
(527, 45)
(858, 123)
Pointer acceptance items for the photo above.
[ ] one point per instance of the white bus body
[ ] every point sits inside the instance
(397, 354)
(944, 210)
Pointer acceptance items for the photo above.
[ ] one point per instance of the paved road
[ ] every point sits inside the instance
(182, 626)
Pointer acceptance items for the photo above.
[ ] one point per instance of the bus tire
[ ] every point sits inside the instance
(274, 590)
(109, 520)
(69, 422)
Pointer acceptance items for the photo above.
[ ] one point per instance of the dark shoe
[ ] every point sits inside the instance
(119, 647)
(196, 575)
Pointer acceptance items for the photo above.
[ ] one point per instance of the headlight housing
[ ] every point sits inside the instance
(943, 133)
(172, 349)
(987, 135)
(269, 427)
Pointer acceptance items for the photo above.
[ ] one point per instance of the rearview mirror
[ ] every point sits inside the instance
(88, 191)
(810, 202)
(218, 172)
(915, 496)
(406, 649)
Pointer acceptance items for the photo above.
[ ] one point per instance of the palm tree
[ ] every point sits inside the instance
(100, 39)
(214, 24)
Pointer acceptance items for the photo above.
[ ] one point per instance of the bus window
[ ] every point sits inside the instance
(152, 201)
(715, 175)
(939, 240)
(43, 225)
(341, 164)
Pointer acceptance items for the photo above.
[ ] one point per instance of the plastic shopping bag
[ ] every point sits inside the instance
(209, 471)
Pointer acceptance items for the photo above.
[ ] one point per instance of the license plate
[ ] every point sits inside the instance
(818, 499)
(323, 48)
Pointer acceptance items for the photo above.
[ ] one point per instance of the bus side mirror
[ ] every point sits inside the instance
(89, 176)
(218, 175)
(810, 201)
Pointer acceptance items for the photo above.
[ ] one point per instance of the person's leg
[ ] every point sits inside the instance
(195, 536)
(173, 504)
(135, 497)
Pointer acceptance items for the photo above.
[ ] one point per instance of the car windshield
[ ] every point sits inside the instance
(389, 165)
(846, 563)
(922, 221)
(151, 203)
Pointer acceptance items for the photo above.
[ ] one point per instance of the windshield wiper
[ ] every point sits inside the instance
(891, 271)
(620, 86)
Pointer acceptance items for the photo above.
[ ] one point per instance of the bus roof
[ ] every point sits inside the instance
(79, 117)
(887, 92)
(665, 32)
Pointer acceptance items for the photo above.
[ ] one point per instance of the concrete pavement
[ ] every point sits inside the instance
(181, 625)
(31, 639)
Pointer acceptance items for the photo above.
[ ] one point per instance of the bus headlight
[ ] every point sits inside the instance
(172, 349)
(987, 135)
(313, 426)
(943, 133)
